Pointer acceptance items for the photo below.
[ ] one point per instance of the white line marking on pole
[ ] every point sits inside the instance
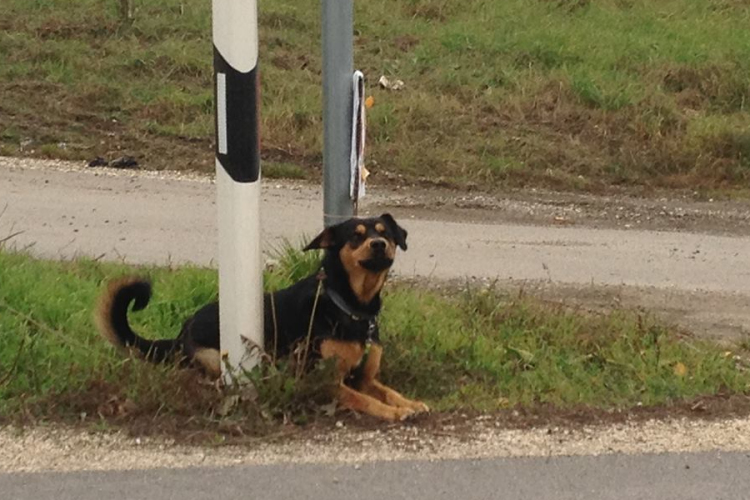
(221, 111)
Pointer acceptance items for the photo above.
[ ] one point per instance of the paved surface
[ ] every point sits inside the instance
(616, 477)
(151, 219)
(700, 279)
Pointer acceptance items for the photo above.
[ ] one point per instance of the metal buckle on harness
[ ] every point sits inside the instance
(371, 327)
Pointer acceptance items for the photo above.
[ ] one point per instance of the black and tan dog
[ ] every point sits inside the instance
(344, 296)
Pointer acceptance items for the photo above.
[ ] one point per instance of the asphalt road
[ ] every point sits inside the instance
(617, 477)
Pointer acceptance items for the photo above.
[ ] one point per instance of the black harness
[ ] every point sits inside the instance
(354, 315)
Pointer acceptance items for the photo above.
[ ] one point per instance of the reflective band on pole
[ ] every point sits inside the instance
(221, 113)
(241, 154)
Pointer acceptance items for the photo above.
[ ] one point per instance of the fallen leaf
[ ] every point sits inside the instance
(249, 393)
(227, 405)
(116, 407)
(524, 355)
(680, 369)
(389, 84)
(329, 409)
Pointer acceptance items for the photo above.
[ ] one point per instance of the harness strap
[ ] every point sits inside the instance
(339, 301)
(345, 308)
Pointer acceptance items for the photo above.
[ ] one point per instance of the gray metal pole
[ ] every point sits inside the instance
(338, 66)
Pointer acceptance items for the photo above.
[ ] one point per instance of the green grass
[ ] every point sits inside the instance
(484, 350)
(570, 94)
(471, 351)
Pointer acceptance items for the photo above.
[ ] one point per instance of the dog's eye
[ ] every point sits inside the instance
(357, 239)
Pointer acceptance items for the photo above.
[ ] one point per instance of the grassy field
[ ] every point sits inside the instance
(465, 351)
(565, 94)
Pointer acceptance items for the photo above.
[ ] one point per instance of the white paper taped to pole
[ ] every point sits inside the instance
(358, 171)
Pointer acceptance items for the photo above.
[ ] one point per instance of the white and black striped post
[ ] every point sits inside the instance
(237, 103)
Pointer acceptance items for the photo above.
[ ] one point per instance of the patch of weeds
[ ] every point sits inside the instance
(499, 166)
(290, 265)
(284, 393)
(59, 151)
(545, 57)
(721, 87)
(593, 93)
(11, 134)
(8, 150)
(430, 10)
(283, 170)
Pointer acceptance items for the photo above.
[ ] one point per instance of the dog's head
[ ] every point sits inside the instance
(366, 249)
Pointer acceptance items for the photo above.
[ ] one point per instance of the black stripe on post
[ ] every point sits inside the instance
(239, 150)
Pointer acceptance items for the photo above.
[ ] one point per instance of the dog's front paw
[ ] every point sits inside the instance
(400, 414)
(419, 407)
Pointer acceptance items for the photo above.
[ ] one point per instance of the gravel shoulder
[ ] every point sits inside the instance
(61, 449)
(660, 211)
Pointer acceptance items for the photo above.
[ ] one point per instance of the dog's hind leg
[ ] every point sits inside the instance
(373, 387)
(209, 360)
(348, 356)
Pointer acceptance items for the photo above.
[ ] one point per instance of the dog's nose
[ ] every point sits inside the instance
(378, 245)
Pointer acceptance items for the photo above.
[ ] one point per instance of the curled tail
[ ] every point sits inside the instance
(111, 319)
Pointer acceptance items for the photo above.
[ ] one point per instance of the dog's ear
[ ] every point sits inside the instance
(326, 239)
(399, 233)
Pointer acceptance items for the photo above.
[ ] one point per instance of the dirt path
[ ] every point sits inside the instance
(686, 260)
